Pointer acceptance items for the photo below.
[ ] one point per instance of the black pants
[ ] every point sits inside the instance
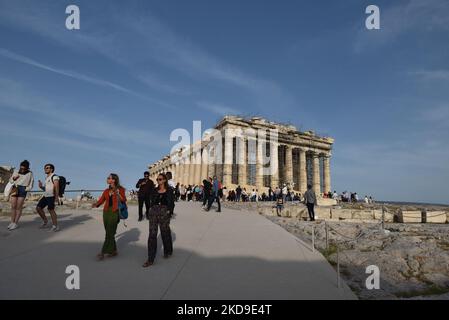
(211, 200)
(142, 200)
(205, 198)
(159, 217)
(310, 208)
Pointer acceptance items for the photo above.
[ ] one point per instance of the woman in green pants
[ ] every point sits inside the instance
(110, 198)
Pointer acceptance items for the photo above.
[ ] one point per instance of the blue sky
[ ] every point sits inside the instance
(106, 97)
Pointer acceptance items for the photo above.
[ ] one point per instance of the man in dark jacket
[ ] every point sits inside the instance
(207, 187)
(310, 201)
(146, 188)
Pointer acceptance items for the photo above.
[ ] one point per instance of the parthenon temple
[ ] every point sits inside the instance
(255, 154)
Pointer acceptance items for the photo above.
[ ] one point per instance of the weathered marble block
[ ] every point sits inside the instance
(436, 217)
(410, 216)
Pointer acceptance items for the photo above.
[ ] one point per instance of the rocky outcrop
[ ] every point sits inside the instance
(413, 258)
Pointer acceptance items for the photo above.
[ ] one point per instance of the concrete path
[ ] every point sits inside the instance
(228, 255)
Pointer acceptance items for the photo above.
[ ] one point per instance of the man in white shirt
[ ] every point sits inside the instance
(50, 198)
(171, 182)
(335, 195)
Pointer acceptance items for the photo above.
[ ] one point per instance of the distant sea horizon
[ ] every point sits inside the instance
(97, 192)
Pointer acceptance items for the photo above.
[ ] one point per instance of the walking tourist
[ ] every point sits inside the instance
(172, 187)
(238, 193)
(310, 201)
(146, 187)
(111, 197)
(22, 181)
(171, 182)
(177, 192)
(162, 203)
(215, 196)
(50, 197)
(279, 205)
(207, 190)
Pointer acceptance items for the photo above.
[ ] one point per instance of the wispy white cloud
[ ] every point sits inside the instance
(71, 74)
(436, 117)
(404, 17)
(218, 109)
(88, 125)
(430, 75)
(82, 77)
(140, 39)
(158, 85)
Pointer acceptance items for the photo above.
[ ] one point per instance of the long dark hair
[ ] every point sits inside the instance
(163, 175)
(26, 165)
(116, 179)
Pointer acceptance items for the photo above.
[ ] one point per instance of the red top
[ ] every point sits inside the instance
(105, 198)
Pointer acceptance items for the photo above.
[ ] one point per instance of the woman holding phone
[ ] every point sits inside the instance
(111, 197)
(162, 205)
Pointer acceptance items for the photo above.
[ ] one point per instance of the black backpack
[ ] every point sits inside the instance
(62, 184)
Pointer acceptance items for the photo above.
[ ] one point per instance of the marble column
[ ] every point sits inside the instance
(181, 171)
(197, 167)
(274, 163)
(288, 169)
(259, 165)
(327, 174)
(228, 159)
(302, 171)
(189, 169)
(204, 165)
(175, 173)
(211, 160)
(316, 174)
(241, 161)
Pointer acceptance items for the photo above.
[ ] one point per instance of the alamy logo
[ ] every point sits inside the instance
(373, 280)
(372, 22)
(72, 22)
(73, 280)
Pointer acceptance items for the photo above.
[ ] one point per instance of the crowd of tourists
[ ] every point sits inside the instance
(158, 199)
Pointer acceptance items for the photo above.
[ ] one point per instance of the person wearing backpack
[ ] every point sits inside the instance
(62, 185)
(112, 197)
(50, 197)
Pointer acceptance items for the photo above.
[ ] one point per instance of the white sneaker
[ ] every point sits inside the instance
(54, 229)
(10, 225)
(44, 225)
(13, 226)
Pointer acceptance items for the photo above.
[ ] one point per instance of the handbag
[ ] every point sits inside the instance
(10, 190)
(122, 208)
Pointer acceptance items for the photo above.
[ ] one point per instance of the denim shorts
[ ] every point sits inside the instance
(21, 192)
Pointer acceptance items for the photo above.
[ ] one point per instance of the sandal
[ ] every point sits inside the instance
(100, 256)
(147, 264)
(115, 253)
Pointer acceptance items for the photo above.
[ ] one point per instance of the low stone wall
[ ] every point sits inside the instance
(418, 216)
(337, 213)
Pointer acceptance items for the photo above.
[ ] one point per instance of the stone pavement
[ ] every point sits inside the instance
(228, 255)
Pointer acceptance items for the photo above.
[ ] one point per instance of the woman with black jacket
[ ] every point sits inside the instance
(162, 205)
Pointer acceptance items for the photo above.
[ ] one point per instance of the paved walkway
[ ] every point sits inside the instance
(230, 255)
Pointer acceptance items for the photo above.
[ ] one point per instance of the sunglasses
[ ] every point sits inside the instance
(159, 179)
(47, 168)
